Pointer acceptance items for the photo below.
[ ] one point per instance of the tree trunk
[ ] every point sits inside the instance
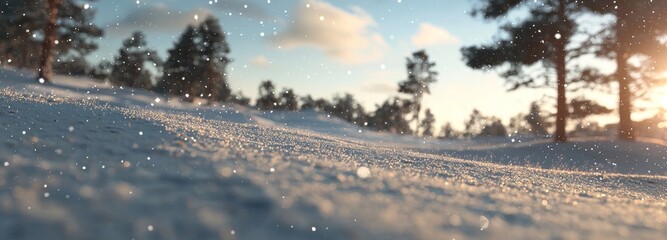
(417, 102)
(213, 84)
(46, 61)
(561, 72)
(625, 130)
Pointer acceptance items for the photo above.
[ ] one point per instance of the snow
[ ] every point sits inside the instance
(82, 171)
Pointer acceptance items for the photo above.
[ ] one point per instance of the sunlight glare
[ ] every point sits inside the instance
(662, 96)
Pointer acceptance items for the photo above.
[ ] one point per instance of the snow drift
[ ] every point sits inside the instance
(81, 159)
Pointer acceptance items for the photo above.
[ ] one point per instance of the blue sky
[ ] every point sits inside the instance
(324, 47)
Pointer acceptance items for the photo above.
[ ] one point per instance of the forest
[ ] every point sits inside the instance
(542, 51)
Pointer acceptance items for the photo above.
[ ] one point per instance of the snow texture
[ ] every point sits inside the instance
(83, 160)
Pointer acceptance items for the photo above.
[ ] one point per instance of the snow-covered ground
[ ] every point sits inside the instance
(82, 160)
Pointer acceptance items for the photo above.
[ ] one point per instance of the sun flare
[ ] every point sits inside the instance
(661, 97)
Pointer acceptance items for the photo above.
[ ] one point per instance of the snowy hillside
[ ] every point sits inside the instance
(81, 159)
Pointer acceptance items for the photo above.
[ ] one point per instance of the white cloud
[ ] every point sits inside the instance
(157, 18)
(431, 35)
(344, 35)
(380, 87)
(380, 82)
(260, 61)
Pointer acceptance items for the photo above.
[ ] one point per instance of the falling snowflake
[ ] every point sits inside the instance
(484, 222)
(363, 172)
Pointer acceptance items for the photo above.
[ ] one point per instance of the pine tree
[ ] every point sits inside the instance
(581, 108)
(427, 123)
(101, 71)
(360, 116)
(180, 69)
(537, 124)
(542, 38)
(638, 31)
(382, 117)
(288, 100)
(129, 67)
(76, 35)
(308, 103)
(344, 107)
(214, 50)
(46, 60)
(447, 131)
(420, 76)
(20, 22)
(390, 116)
(518, 125)
(475, 124)
(267, 96)
(240, 99)
(480, 125)
(53, 35)
(400, 108)
(494, 128)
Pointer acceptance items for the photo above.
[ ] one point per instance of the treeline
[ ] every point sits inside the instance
(538, 51)
(56, 36)
(545, 48)
(394, 115)
(195, 66)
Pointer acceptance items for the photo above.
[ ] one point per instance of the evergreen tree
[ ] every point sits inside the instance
(308, 102)
(322, 105)
(267, 96)
(427, 123)
(535, 120)
(7, 38)
(637, 32)
(360, 116)
(480, 125)
(541, 38)
(101, 71)
(495, 127)
(447, 131)
(581, 108)
(475, 124)
(343, 107)
(213, 52)
(19, 20)
(382, 119)
(518, 125)
(182, 66)
(420, 76)
(288, 100)
(196, 66)
(30, 29)
(390, 116)
(45, 73)
(75, 34)
(129, 67)
(240, 99)
(72, 65)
